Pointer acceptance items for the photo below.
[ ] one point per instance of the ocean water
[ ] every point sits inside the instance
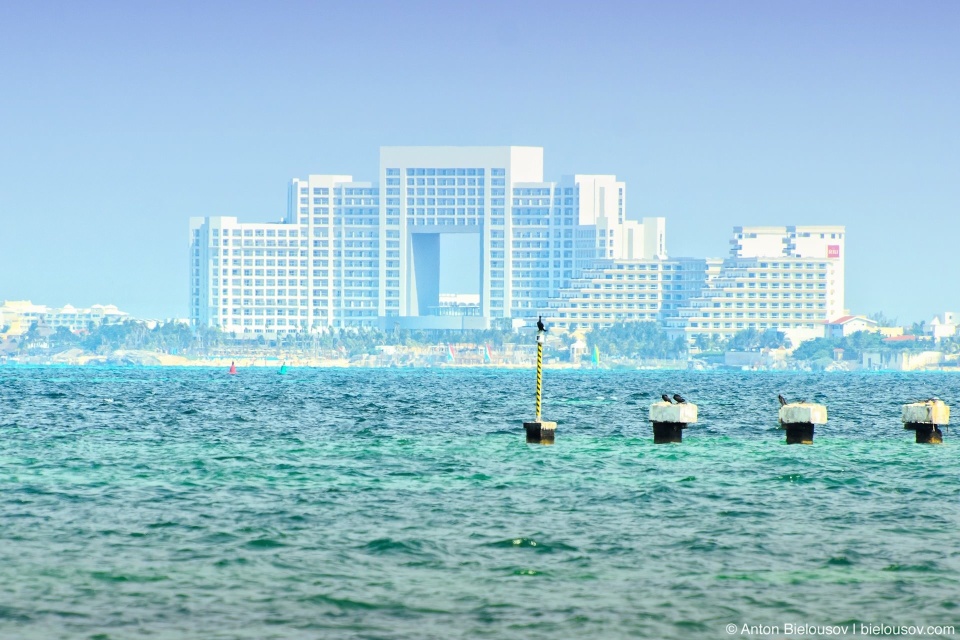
(357, 503)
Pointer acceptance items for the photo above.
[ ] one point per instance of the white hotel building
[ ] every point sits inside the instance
(646, 290)
(786, 278)
(368, 254)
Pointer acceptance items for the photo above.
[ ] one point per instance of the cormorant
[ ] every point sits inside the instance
(783, 401)
(666, 398)
(678, 398)
(540, 326)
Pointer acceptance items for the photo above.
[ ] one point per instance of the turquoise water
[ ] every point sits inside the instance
(175, 503)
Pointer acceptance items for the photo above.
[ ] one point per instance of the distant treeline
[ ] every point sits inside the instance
(856, 344)
(634, 340)
(178, 338)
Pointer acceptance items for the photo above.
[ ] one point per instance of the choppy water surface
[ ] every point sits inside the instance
(357, 503)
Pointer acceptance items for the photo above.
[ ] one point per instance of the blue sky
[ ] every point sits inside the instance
(119, 121)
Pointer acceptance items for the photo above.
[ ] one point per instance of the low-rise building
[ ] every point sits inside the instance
(901, 360)
(890, 332)
(848, 325)
(19, 315)
(943, 325)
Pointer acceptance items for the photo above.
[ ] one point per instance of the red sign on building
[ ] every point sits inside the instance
(833, 251)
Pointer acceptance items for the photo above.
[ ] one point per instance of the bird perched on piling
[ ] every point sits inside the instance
(679, 398)
(666, 398)
(540, 326)
(783, 401)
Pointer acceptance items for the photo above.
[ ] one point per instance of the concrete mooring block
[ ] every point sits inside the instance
(685, 413)
(669, 420)
(925, 418)
(541, 432)
(798, 420)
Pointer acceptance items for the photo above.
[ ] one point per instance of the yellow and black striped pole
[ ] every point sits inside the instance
(539, 371)
(538, 430)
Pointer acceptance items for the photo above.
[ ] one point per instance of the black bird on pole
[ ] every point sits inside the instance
(783, 401)
(540, 326)
(666, 398)
(679, 398)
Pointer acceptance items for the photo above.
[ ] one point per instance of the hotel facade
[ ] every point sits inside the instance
(363, 254)
(790, 279)
(613, 291)
(355, 254)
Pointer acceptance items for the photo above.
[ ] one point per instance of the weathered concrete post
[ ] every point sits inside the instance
(669, 420)
(540, 431)
(926, 418)
(798, 419)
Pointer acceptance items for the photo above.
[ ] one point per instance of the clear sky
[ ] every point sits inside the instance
(120, 120)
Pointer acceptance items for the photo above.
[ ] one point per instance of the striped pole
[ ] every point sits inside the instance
(539, 370)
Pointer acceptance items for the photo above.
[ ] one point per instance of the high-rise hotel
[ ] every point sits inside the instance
(352, 254)
(360, 254)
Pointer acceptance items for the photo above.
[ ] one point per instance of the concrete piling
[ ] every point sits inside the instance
(798, 420)
(925, 418)
(669, 420)
(540, 431)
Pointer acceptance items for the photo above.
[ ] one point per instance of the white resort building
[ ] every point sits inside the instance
(613, 291)
(362, 254)
(785, 278)
(17, 316)
(352, 254)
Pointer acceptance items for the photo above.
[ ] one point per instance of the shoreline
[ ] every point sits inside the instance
(311, 363)
(170, 361)
(135, 358)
